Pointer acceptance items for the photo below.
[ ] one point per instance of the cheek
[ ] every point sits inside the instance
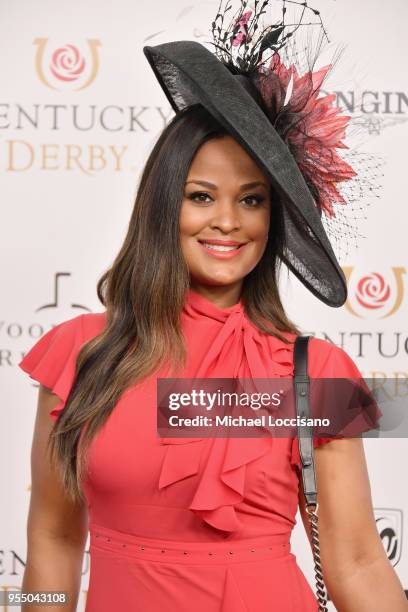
(191, 223)
(257, 226)
(191, 220)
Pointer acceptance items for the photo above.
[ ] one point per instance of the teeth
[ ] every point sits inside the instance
(220, 247)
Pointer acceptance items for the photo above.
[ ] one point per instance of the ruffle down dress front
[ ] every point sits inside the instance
(186, 523)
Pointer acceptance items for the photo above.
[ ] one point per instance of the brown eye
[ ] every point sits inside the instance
(200, 196)
(253, 200)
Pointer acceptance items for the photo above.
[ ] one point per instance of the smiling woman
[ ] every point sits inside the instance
(201, 504)
(225, 216)
(193, 293)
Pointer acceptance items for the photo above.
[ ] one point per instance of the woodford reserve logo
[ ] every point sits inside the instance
(68, 64)
(374, 295)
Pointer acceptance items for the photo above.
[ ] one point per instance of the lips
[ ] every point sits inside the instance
(219, 241)
(221, 245)
(221, 248)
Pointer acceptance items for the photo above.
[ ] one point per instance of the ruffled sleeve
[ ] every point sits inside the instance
(327, 360)
(52, 360)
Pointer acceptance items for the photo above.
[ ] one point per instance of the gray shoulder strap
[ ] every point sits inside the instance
(305, 433)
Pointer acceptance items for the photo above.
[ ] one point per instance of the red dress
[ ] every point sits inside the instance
(190, 524)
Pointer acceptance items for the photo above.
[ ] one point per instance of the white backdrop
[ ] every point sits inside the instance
(72, 144)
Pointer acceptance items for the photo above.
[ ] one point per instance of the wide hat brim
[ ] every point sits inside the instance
(190, 74)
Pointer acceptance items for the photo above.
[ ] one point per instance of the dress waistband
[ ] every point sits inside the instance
(233, 551)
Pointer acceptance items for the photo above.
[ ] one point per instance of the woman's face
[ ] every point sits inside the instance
(225, 215)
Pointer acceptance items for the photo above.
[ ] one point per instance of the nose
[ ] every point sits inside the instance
(225, 216)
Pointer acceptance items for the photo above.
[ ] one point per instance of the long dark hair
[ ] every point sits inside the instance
(144, 291)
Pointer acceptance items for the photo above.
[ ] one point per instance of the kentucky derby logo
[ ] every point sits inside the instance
(389, 525)
(374, 295)
(60, 67)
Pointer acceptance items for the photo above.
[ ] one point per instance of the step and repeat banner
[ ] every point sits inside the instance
(79, 111)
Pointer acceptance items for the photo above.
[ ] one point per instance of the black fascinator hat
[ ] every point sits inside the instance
(277, 116)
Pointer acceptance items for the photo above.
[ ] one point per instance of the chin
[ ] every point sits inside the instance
(218, 279)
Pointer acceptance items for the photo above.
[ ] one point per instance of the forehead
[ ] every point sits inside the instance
(225, 157)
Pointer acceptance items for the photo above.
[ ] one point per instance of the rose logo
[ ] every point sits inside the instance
(372, 291)
(67, 63)
(374, 294)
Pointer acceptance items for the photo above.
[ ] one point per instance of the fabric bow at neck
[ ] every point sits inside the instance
(222, 343)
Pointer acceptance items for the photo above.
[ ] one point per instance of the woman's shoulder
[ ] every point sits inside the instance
(325, 359)
(51, 361)
(329, 360)
(81, 328)
(84, 326)
(60, 345)
(93, 323)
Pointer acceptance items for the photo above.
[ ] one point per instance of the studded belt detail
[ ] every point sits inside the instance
(233, 551)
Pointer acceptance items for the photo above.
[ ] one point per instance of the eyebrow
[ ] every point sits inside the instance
(244, 186)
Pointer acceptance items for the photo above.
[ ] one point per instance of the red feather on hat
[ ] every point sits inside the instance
(311, 126)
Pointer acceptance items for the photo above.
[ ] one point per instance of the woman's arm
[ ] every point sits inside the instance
(57, 529)
(356, 569)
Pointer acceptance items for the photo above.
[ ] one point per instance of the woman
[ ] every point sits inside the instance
(177, 523)
(227, 198)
